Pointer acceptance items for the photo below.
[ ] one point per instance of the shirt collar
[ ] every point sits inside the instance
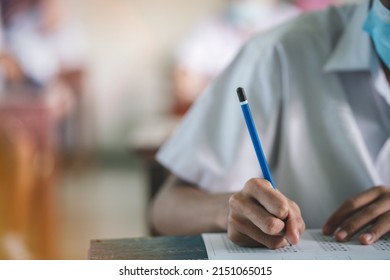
(353, 50)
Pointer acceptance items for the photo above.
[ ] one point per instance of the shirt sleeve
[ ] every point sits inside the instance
(211, 147)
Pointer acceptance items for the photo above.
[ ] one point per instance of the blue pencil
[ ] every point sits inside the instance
(254, 136)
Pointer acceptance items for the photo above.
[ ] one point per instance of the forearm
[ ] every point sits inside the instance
(180, 208)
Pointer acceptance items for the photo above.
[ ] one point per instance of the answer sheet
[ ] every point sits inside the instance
(312, 245)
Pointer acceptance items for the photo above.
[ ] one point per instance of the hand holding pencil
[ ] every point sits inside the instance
(259, 214)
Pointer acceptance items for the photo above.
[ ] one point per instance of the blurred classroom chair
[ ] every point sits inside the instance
(28, 168)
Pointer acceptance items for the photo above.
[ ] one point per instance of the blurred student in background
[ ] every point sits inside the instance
(41, 62)
(213, 43)
(38, 48)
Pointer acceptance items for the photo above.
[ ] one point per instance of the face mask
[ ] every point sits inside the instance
(377, 25)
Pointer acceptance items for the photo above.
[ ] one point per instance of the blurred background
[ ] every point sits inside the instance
(89, 89)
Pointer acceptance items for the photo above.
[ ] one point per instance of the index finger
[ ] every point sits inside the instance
(350, 207)
(272, 200)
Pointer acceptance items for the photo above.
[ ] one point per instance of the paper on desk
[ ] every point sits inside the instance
(312, 245)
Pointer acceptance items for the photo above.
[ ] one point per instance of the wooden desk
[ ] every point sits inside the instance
(149, 248)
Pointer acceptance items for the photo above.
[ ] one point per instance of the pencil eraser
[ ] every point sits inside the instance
(241, 94)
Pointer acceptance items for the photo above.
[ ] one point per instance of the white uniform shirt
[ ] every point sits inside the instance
(302, 80)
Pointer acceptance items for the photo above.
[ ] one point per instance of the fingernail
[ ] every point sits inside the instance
(368, 237)
(294, 238)
(341, 235)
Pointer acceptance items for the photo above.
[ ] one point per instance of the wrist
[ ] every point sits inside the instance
(222, 211)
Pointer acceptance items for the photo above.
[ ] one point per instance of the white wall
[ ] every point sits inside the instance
(130, 48)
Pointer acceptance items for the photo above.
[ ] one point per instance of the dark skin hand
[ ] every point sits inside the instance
(259, 215)
(370, 208)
